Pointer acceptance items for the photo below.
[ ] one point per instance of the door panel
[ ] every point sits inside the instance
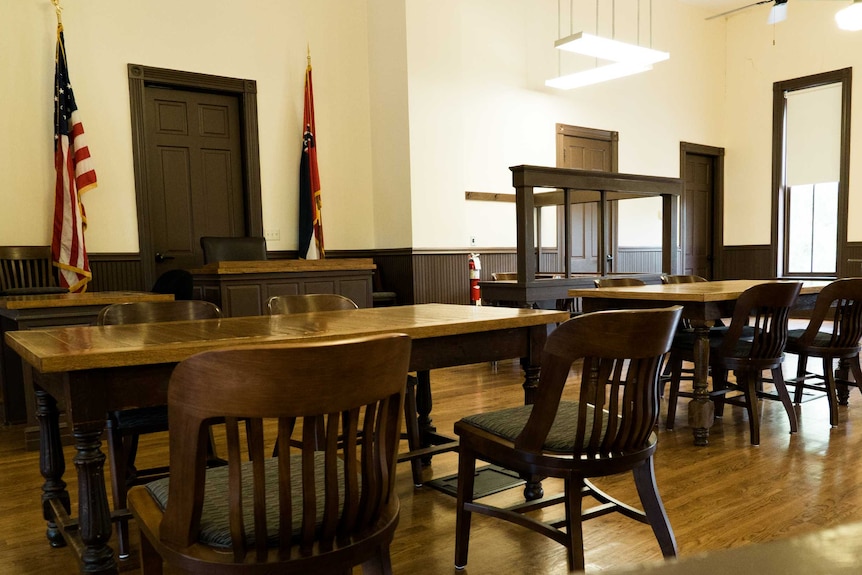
(698, 215)
(584, 153)
(194, 175)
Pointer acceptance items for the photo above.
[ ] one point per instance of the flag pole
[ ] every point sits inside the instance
(59, 10)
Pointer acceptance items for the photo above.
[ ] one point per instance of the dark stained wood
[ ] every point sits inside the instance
(608, 431)
(815, 464)
(354, 389)
(98, 369)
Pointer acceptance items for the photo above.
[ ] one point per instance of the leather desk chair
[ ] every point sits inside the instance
(219, 249)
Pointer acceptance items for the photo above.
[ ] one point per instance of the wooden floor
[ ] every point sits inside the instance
(724, 495)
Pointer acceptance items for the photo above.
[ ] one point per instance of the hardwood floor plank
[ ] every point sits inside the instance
(724, 495)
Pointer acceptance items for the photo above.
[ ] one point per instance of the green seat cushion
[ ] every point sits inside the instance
(215, 527)
(508, 424)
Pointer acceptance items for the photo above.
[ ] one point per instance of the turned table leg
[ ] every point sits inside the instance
(701, 411)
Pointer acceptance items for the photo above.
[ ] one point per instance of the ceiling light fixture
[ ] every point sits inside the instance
(607, 49)
(778, 12)
(850, 18)
(596, 75)
(624, 59)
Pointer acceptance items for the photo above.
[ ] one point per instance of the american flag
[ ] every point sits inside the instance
(310, 214)
(75, 175)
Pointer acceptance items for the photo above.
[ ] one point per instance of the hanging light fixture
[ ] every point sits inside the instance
(607, 49)
(625, 58)
(850, 18)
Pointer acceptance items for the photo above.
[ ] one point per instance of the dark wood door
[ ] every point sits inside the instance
(586, 149)
(193, 147)
(698, 215)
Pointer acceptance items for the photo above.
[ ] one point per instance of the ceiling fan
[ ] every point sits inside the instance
(777, 13)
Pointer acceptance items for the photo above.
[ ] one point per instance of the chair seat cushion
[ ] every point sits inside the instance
(508, 424)
(141, 419)
(822, 339)
(215, 526)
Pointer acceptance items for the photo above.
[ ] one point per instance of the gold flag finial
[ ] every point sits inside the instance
(58, 9)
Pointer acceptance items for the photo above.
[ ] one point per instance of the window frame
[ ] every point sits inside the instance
(780, 197)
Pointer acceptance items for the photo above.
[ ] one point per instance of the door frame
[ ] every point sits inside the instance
(141, 77)
(717, 208)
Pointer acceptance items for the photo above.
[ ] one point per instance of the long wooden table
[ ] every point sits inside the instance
(41, 311)
(703, 303)
(96, 369)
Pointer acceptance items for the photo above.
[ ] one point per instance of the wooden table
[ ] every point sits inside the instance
(40, 311)
(96, 369)
(703, 303)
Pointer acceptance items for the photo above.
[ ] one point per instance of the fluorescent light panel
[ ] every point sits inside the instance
(596, 75)
(607, 49)
(850, 18)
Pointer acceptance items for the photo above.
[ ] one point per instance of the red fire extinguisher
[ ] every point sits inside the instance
(475, 271)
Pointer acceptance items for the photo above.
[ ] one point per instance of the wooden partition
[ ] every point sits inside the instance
(536, 187)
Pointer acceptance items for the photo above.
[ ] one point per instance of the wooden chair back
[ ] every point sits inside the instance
(285, 304)
(757, 334)
(306, 511)
(682, 279)
(239, 249)
(840, 302)
(622, 352)
(157, 311)
(179, 282)
(24, 267)
(617, 282)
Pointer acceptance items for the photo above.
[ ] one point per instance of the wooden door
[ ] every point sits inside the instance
(586, 149)
(194, 173)
(197, 164)
(697, 216)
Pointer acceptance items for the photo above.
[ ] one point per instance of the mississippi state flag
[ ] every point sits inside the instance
(75, 175)
(310, 218)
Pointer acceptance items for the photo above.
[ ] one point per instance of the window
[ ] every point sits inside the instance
(810, 167)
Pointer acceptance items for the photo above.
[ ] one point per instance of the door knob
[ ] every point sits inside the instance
(162, 258)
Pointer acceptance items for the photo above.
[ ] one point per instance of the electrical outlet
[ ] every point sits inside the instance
(272, 235)
(472, 241)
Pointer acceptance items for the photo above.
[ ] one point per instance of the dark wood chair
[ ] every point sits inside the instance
(27, 270)
(305, 511)
(681, 279)
(753, 343)
(239, 249)
(841, 303)
(617, 282)
(609, 430)
(124, 427)
(178, 282)
(285, 304)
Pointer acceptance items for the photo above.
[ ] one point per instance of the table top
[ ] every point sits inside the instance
(281, 266)
(698, 292)
(59, 300)
(88, 347)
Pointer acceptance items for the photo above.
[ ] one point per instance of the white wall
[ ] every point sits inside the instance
(758, 55)
(417, 101)
(263, 40)
(478, 103)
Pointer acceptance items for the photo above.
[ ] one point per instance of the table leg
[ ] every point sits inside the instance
(842, 374)
(423, 409)
(93, 512)
(701, 411)
(51, 464)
